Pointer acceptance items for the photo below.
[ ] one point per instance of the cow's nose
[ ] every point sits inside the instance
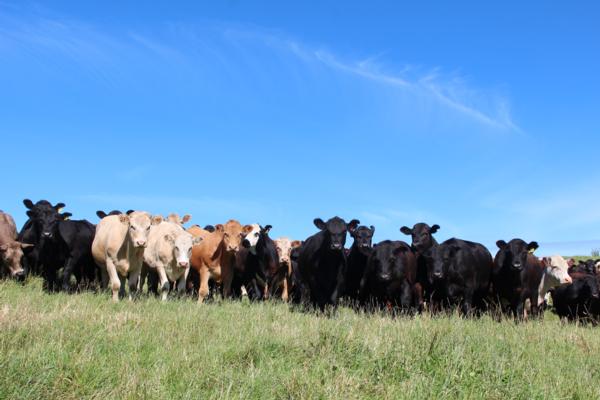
(336, 246)
(517, 265)
(183, 264)
(141, 243)
(20, 275)
(568, 280)
(437, 274)
(47, 234)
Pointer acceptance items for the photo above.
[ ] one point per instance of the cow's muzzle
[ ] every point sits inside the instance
(517, 266)
(336, 246)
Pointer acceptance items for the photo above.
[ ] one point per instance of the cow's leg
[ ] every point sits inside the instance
(535, 310)
(284, 291)
(406, 297)
(418, 296)
(203, 291)
(227, 279)
(134, 281)
(467, 303)
(68, 270)
(115, 279)
(181, 282)
(164, 282)
(103, 278)
(122, 281)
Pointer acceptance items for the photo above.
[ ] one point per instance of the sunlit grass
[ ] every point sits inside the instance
(84, 346)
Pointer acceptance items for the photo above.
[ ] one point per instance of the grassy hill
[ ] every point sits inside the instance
(84, 346)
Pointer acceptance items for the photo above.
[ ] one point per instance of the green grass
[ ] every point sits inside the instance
(83, 346)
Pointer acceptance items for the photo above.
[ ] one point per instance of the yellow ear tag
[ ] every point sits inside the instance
(60, 210)
(531, 251)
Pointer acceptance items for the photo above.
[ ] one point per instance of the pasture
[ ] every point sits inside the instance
(85, 346)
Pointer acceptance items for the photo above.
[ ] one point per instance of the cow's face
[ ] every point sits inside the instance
(441, 258)
(556, 270)
(139, 226)
(422, 235)
(45, 216)
(10, 255)
(284, 248)
(363, 237)
(233, 234)
(515, 252)
(182, 247)
(385, 261)
(251, 237)
(335, 231)
(48, 222)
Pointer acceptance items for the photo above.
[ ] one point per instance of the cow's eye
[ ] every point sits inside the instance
(132, 228)
(256, 234)
(148, 228)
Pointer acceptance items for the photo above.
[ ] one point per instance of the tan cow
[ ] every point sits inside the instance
(284, 248)
(168, 252)
(214, 258)
(11, 251)
(118, 249)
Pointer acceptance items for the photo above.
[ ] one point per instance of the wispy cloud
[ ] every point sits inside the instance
(93, 48)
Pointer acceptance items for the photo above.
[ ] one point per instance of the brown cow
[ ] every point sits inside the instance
(11, 251)
(214, 257)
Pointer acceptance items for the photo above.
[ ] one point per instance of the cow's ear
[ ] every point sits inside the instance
(101, 214)
(28, 203)
(124, 218)
(130, 212)
(296, 243)
(406, 230)
(320, 224)
(186, 218)
(196, 240)
(266, 229)
(59, 206)
(501, 244)
(66, 216)
(219, 228)
(372, 230)
(352, 225)
(246, 229)
(532, 246)
(157, 219)
(434, 228)
(25, 245)
(30, 213)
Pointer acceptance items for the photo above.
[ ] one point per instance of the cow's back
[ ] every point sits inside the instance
(110, 236)
(8, 229)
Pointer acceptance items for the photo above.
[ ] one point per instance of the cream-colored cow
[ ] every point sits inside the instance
(118, 249)
(284, 248)
(168, 253)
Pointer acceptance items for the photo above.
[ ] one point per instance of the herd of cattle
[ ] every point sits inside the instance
(138, 250)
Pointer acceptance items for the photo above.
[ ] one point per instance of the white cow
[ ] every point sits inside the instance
(118, 249)
(555, 274)
(168, 252)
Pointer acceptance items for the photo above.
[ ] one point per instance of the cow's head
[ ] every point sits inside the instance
(10, 256)
(514, 253)
(335, 231)
(182, 243)
(363, 237)
(251, 237)
(385, 258)
(284, 248)
(556, 269)
(174, 217)
(139, 223)
(233, 234)
(422, 235)
(441, 257)
(45, 216)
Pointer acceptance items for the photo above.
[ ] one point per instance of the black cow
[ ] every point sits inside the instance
(390, 277)
(422, 241)
(516, 276)
(31, 232)
(262, 274)
(585, 267)
(459, 274)
(322, 263)
(578, 300)
(67, 244)
(357, 259)
(296, 285)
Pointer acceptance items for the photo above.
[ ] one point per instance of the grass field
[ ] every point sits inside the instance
(83, 346)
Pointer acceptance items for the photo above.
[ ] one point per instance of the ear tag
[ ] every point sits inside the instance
(531, 251)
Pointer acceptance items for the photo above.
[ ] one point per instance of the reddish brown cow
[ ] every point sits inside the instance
(214, 257)
(11, 251)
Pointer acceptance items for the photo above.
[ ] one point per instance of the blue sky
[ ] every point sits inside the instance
(481, 118)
